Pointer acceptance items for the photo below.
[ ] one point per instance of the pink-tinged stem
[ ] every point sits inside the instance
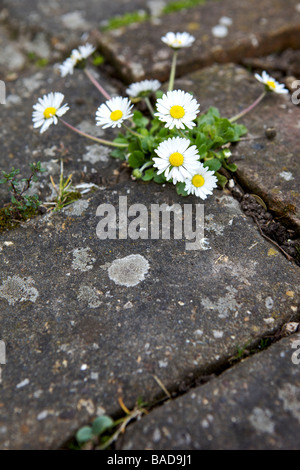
(95, 139)
(256, 102)
(97, 85)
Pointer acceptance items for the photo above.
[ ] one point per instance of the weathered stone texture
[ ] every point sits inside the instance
(254, 406)
(82, 329)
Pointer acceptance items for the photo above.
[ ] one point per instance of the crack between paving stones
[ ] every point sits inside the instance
(202, 377)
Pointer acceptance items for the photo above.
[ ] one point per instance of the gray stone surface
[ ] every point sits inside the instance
(268, 168)
(84, 324)
(63, 23)
(257, 28)
(254, 406)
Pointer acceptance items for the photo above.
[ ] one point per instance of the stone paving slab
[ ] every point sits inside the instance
(253, 406)
(63, 23)
(267, 167)
(257, 28)
(84, 324)
(21, 144)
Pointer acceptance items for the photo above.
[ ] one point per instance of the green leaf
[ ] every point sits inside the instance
(118, 153)
(230, 166)
(222, 180)
(149, 174)
(101, 424)
(160, 179)
(159, 94)
(213, 164)
(139, 119)
(180, 189)
(136, 159)
(84, 434)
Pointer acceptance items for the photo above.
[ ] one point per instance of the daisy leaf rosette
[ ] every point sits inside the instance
(177, 160)
(47, 110)
(178, 40)
(114, 112)
(201, 183)
(270, 83)
(143, 88)
(177, 109)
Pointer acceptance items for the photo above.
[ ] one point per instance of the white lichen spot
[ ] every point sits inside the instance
(90, 295)
(218, 334)
(96, 153)
(128, 271)
(261, 420)
(220, 31)
(269, 321)
(224, 305)
(163, 364)
(75, 20)
(269, 303)
(88, 127)
(42, 415)
(23, 383)
(16, 289)
(212, 226)
(290, 395)
(77, 208)
(156, 437)
(225, 21)
(82, 259)
(286, 175)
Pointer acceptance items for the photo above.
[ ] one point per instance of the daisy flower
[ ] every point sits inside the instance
(47, 109)
(271, 83)
(113, 112)
(201, 183)
(177, 109)
(178, 40)
(77, 56)
(86, 50)
(143, 88)
(176, 159)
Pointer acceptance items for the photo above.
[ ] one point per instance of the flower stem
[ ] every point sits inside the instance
(172, 72)
(247, 110)
(97, 85)
(148, 103)
(133, 132)
(95, 139)
(146, 165)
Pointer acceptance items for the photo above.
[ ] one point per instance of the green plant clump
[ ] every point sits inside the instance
(211, 135)
(22, 206)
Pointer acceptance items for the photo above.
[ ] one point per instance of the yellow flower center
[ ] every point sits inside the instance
(176, 159)
(177, 42)
(177, 112)
(198, 181)
(116, 115)
(271, 84)
(49, 112)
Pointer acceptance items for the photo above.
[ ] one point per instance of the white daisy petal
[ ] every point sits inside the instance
(114, 112)
(178, 40)
(47, 109)
(177, 109)
(143, 88)
(271, 83)
(201, 183)
(176, 160)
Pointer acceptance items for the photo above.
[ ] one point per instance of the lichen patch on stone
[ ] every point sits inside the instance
(16, 289)
(82, 259)
(128, 271)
